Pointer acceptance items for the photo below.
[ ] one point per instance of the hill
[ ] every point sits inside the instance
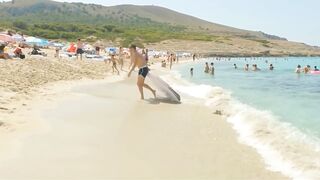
(123, 24)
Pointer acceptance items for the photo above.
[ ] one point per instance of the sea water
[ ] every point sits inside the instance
(277, 112)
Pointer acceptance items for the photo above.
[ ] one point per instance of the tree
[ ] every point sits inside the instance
(20, 25)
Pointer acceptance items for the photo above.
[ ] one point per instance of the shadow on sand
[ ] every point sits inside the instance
(161, 100)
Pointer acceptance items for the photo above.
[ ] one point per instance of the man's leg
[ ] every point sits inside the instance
(140, 84)
(148, 87)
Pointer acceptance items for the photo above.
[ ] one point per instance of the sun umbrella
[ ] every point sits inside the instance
(6, 38)
(18, 38)
(37, 41)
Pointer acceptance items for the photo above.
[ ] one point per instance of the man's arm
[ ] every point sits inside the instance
(133, 66)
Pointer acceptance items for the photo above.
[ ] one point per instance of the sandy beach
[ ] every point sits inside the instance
(98, 129)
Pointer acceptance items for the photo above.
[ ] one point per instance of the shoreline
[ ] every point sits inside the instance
(203, 135)
(263, 131)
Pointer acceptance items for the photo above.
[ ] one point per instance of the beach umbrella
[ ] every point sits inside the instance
(18, 38)
(37, 41)
(6, 38)
(56, 44)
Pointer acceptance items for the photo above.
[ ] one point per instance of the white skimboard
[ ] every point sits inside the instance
(164, 87)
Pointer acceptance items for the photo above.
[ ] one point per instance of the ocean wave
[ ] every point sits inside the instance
(283, 147)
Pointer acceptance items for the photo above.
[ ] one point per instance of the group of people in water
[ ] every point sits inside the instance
(254, 67)
(209, 69)
(306, 69)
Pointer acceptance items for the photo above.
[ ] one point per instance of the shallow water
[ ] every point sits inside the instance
(276, 112)
(293, 98)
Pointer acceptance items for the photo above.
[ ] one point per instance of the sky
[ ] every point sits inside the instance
(296, 20)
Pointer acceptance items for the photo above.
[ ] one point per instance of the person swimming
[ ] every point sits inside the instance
(315, 68)
(298, 70)
(271, 67)
(235, 66)
(307, 69)
(255, 67)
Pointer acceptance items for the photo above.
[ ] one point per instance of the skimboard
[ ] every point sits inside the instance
(164, 87)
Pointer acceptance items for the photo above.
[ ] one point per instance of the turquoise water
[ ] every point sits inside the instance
(292, 98)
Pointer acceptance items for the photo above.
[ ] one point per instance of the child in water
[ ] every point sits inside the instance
(191, 72)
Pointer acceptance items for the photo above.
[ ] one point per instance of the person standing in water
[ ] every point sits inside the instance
(206, 68)
(298, 70)
(191, 72)
(235, 66)
(246, 67)
(171, 60)
(212, 68)
(140, 61)
(307, 69)
(271, 68)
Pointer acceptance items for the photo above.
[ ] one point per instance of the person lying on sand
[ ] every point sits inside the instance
(140, 61)
(3, 55)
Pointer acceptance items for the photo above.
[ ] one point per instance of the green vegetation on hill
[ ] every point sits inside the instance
(124, 23)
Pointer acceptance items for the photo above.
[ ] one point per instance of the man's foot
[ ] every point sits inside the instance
(154, 94)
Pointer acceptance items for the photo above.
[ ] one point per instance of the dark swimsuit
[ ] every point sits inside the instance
(144, 72)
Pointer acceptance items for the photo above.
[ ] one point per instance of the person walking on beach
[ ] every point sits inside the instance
(121, 57)
(140, 61)
(79, 49)
(114, 64)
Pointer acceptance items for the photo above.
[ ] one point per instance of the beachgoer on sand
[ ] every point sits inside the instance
(79, 49)
(3, 55)
(121, 58)
(114, 64)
